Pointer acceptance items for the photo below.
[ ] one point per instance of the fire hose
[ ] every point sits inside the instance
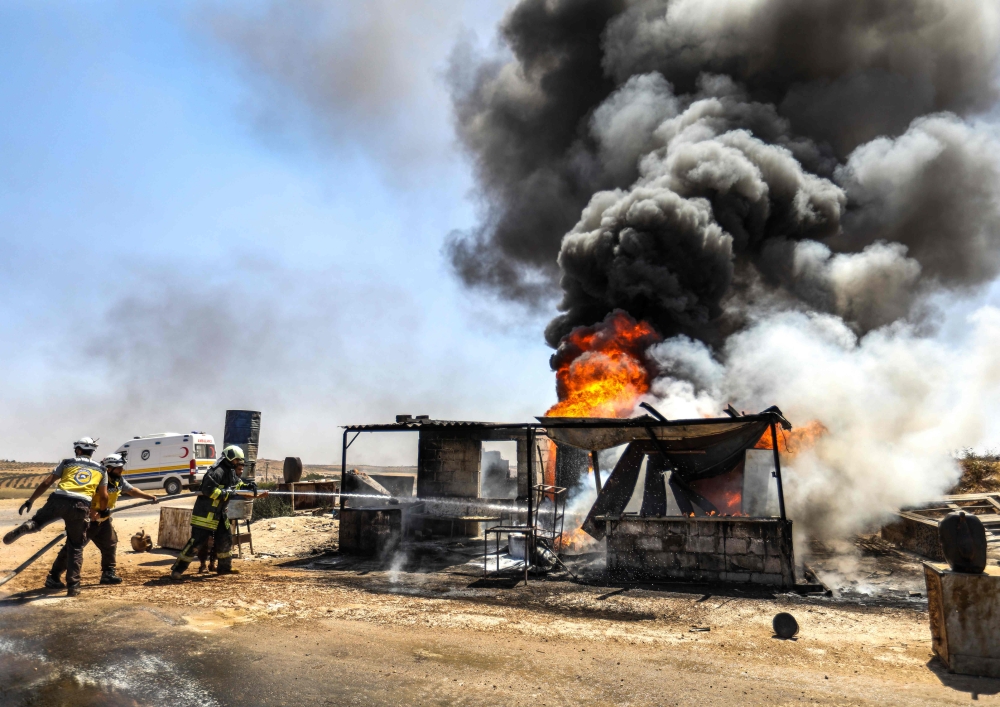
(48, 546)
(24, 565)
(27, 563)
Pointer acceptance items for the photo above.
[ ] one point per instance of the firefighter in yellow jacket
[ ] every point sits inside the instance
(101, 532)
(208, 519)
(82, 493)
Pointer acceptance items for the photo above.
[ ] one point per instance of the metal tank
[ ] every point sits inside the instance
(243, 430)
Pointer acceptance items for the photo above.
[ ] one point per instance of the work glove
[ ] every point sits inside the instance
(25, 507)
(250, 486)
(106, 513)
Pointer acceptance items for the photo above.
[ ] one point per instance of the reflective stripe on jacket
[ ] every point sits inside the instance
(210, 506)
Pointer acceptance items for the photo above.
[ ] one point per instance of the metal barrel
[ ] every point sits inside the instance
(292, 470)
(243, 430)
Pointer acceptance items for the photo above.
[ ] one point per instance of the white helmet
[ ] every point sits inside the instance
(87, 444)
(113, 460)
(233, 454)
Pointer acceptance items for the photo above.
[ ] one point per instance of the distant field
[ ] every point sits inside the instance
(24, 476)
(19, 478)
(272, 469)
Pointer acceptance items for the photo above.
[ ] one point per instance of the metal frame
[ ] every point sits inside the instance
(772, 415)
(499, 530)
(558, 495)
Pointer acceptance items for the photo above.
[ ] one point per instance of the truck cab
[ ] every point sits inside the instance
(168, 460)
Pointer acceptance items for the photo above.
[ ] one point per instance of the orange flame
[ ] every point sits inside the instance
(575, 541)
(724, 491)
(797, 440)
(599, 369)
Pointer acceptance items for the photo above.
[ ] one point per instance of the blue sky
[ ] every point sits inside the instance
(243, 205)
(185, 229)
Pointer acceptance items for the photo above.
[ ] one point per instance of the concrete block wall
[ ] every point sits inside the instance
(448, 464)
(916, 535)
(743, 550)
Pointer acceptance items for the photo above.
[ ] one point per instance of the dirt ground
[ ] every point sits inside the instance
(304, 625)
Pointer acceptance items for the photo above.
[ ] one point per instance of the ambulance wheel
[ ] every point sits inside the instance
(172, 487)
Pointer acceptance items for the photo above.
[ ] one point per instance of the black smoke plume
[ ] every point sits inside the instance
(691, 161)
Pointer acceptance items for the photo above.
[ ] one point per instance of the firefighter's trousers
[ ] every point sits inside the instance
(74, 512)
(103, 535)
(199, 537)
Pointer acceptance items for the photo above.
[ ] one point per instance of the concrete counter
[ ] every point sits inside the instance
(965, 618)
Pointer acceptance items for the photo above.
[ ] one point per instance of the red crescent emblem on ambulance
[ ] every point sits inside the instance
(186, 452)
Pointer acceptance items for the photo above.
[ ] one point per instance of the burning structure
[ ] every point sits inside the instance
(750, 202)
(712, 503)
(686, 500)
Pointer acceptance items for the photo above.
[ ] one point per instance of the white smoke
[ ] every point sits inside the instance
(894, 404)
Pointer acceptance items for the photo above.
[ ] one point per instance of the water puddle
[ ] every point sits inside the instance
(31, 675)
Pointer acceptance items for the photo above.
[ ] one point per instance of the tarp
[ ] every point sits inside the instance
(597, 438)
(709, 450)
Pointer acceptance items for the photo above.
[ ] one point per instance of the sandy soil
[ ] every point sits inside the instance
(426, 628)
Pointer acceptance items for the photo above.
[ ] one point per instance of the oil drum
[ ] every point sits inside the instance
(963, 540)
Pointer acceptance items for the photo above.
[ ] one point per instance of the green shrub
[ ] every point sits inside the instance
(272, 506)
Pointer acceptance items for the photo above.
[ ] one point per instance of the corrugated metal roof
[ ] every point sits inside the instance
(415, 425)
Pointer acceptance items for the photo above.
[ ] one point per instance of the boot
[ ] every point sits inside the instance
(109, 577)
(53, 582)
(26, 527)
(227, 570)
(202, 567)
(73, 591)
(176, 576)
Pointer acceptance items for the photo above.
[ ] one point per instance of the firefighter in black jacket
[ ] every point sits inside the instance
(208, 520)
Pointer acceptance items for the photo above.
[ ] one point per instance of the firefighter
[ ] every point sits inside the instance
(82, 492)
(101, 532)
(208, 519)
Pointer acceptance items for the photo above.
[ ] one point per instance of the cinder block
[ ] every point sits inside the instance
(736, 576)
(691, 543)
(630, 527)
(772, 565)
(757, 547)
(709, 528)
(661, 560)
(650, 543)
(737, 546)
(759, 530)
(739, 530)
(687, 560)
(712, 561)
(674, 543)
(746, 563)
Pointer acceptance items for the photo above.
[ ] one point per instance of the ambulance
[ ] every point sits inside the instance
(168, 460)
